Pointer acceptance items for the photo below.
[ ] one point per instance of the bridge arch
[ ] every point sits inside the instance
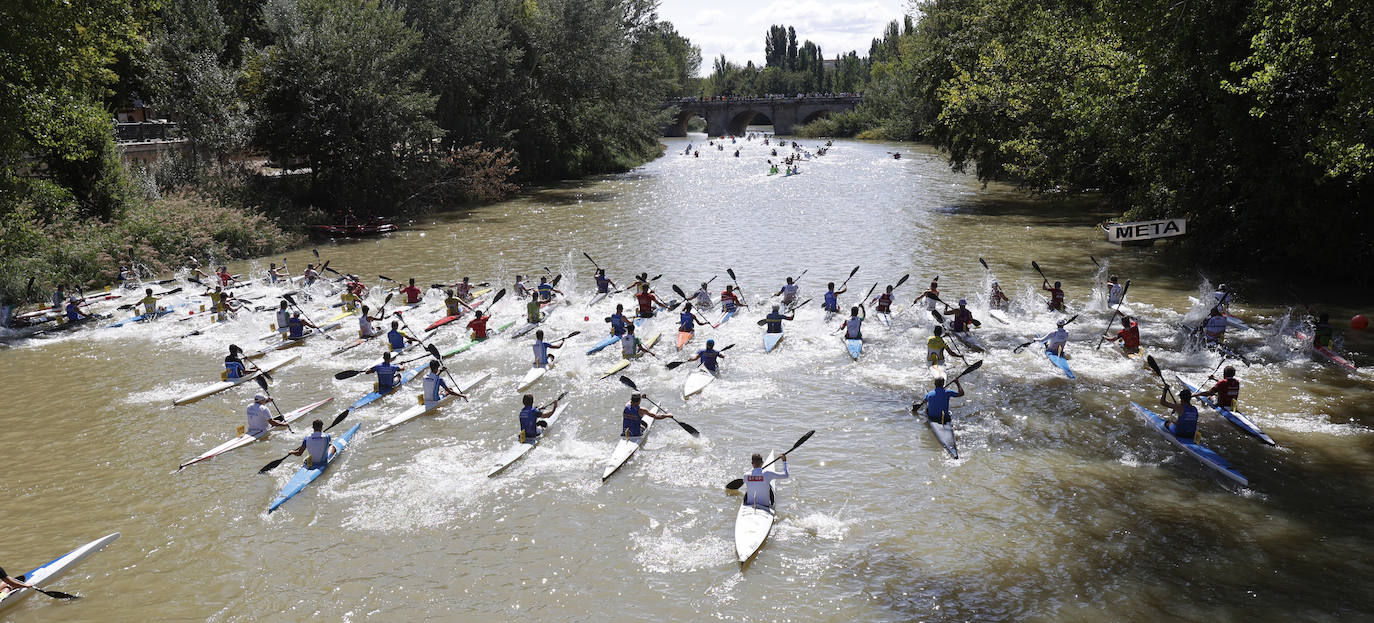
(819, 114)
(740, 121)
(680, 121)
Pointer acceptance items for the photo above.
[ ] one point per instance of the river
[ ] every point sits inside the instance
(1064, 504)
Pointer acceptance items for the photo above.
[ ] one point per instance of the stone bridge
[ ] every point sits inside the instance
(733, 115)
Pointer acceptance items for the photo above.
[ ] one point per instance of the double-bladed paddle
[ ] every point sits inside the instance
(1023, 346)
(735, 484)
(764, 321)
(292, 301)
(691, 430)
(673, 365)
(1154, 367)
(273, 465)
(133, 305)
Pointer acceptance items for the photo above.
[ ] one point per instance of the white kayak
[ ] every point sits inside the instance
(770, 341)
(523, 447)
(290, 342)
(999, 316)
(597, 299)
(970, 340)
(626, 448)
(50, 571)
(753, 523)
(696, 381)
(245, 439)
(210, 390)
(532, 377)
(944, 433)
(425, 409)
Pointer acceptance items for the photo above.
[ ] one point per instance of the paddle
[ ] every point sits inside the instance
(1094, 261)
(432, 350)
(902, 281)
(731, 272)
(735, 484)
(57, 594)
(1036, 266)
(851, 276)
(589, 259)
(691, 430)
(1019, 348)
(1154, 367)
(273, 465)
(673, 365)
(1115, 310)
(870, 293)
(262, 382)
(916, 407)
(386, 278)
(985, 264)
(441, 286)
(292, 301)
(133, 305)
(764, 321)
(570, 335)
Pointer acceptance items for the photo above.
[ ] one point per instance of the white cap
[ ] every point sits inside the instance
(259, 398)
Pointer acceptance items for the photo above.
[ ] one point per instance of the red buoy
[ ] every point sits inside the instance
(1359, 322)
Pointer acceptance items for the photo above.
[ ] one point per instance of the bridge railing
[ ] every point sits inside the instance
(146, 132)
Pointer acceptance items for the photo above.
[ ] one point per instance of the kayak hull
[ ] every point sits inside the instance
(753, 524)
(970, 340)
(682, 338)
(246, 439)
(855, 348)
(771, 341)
(626, 447)
(306, 475)
(423, 409)
(944, 433)
(696, 381)
(51, 571)
(216, 388)
(521, 448)
(1061, 363)
(374, 396)
(1237, 419)
(1203, 454)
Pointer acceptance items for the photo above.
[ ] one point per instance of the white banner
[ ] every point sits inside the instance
(1145, 230)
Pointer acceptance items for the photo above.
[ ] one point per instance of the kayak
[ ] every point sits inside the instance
(682, 338)
(49, 572)
(885, 318)
(546, 309)
(161, 311)
(770, 341)
(626, 448)
(999, 316)
(753, 523)
(725, 317)
(937, 371)
(970, 340)
(1238, 419)
(523, 447)
(855, 348)
(1329, 354)
(306, 475)
(625, 362)
(1235, 322)
(344, 314)
(1060, 362)
(1202, 453)
(610, 339)
(424, 409)
(600, 296)
(354, 344)
(474, 341)
(696, 381)
(447, 319)
(375, 395)
(210, 390)
(245, 439)
(944, 433)
(532, 377)
(291, 342)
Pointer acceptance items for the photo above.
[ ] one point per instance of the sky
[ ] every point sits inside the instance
(736, 28)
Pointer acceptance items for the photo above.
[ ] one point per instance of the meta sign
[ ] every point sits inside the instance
(1145, 230)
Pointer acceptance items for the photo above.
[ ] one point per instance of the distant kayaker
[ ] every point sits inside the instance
(546, 290)
(198, 277)
(224, 277)
(883, 302)
(1114, 291)
(936, 347)
(632, 425)
(59, 297)
(396, 340)
(1184, 425)
(542, 358)
(687, 319)
(260, 418)
(630, 346)
(963, 318)
(1226, 391)
(603, 283)
(853, 325)
(758, 492)
(412, 293)
(521, 290)
(703, 297)
(1322, 333)
(937, 400)
(832, 298)
(1055, 340)
(274, 275)
(311, 275)
(319, 444)
(997, 299)
(773, 321)
(646, 300)
(73, 310)
(478, 325)
(463, 289)
(730, 299)
(283, 318)
(618, 320)
(1056, 295)
(533, 309)
(349, 299)
(453, 305)
(295, 328)
(387, 373)
(149, 302)
(932, 297)
(1214, 327)
(709, 357)
(1129, 335)
(365, 319)
(434, 387)
(789, 292)
(532, 419)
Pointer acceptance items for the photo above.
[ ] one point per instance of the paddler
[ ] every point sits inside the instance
(396, 340)
(520, 288)
(687, 319)
(730, 299)
(546, 290)
(758, 492)
(478, 325)
(533, 313)
(630, 346)
(126, 277)
(1214, 328)
(464, 289)
(703, 297)
(603, 283)
(198, 276)
(295, 328)
(224, 277)
(260, 418)
(149, 302)
(59, 298)
(8, 583)
(1114, 291)
(963, 318)
(936, 347)
(709, 357)
(412, 293)
(532, 419)
(937, 400)
(997, 299)
(387, 374)
(234, 366)
(832, 298)
(789, 292)
(853, 325)
(283, 318)
(1184, 425)
(1226, 391)
(646, 300)
(274, 275)
(1223, 297)
(318, 444)
(1056, 295)
(310, 274)
(365, 319)
(454, 305)
(1055, 340)
(73, 310)
(1129, 335)
(216, 297)
(434, 387)
(932, 297)
(883, 302)
(350, 300)
(542, 358)
(618, 320)
(632, 424)
(773, 321)
(1322, 332)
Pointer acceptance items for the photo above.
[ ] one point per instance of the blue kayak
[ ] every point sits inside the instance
(1202, 453)
(1239, 420)
(161, 311)
(855, 348)
(406, 377)
(611, 339)
(1061, 363)
(770, 341)
(306, 475)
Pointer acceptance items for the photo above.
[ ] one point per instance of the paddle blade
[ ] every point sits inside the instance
(273, 465)
(262, 382)
(939, 318)
(571, 335)
(500, 294)
(852, 273)
(901, 281)
(1036, 266)
(727, 348)
(556, 279)
(731, 272)
(691, 430)
(974, 366)
(673, 365)
(338, 420)
(1125, 289)
(386, 278)
(589, 259)
(1153, 365)
(984, 263)
(628, 382)
(58, 594)
(657, 277)
(802, 440)
(316, 252)
(347, 374)
(735, 484)
(433, 351)
(1070, 321)
(679, 291)
(389, 295)
(762, 321)
(1094, 261)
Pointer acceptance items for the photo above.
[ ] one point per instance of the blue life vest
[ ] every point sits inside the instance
(541, 352)
(1186, 426)
(774, 322)
(234, 367)
(632, 424)
(396, 339)
(618, 323)
(937, 404)
(386, 376)
(297, 328)
(686, 322)
(603, 285)
(709, 357)
(528, 417)
(832, 302)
